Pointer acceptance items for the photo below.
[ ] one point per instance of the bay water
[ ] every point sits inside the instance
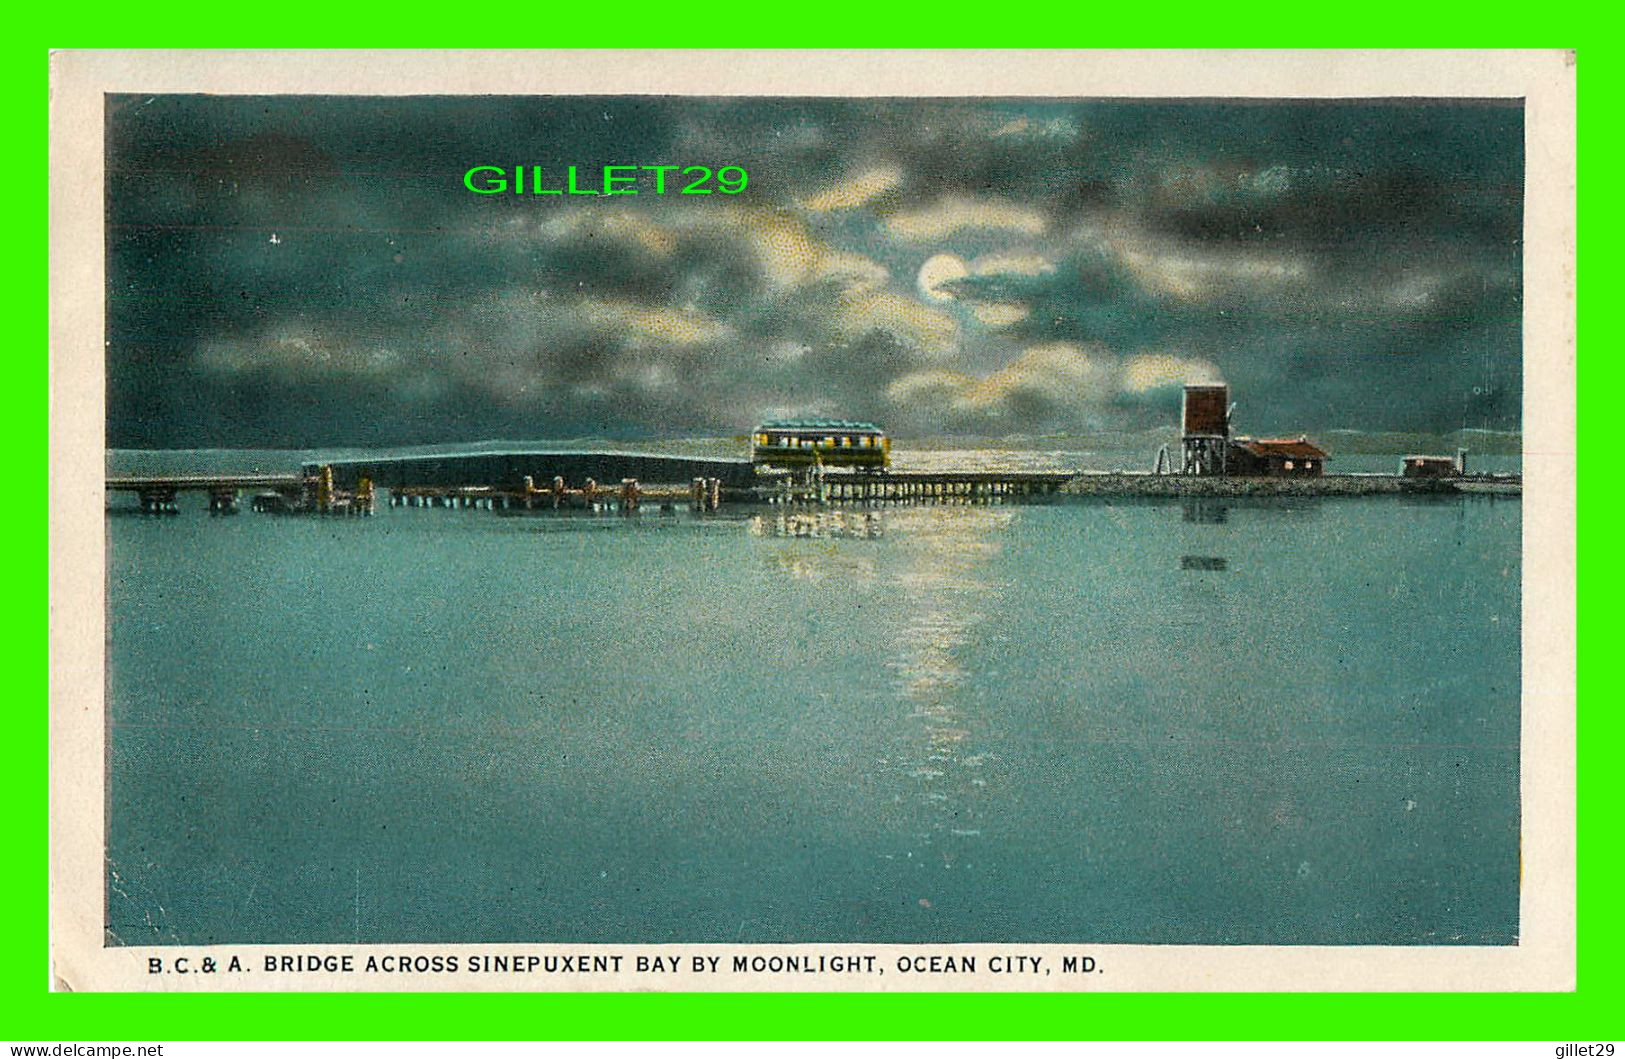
(1261, 722)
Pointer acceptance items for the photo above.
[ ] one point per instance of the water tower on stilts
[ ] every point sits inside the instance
(1205, 441)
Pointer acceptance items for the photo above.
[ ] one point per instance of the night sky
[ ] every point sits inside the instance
(980, 267)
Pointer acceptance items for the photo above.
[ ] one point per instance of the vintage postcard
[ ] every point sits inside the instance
(813, 521)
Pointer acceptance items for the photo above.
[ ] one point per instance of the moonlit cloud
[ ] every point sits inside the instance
(301, 354)
(1012, 264)
(939, 280)
(1186, 271)
(1057, 127)
(785, 250)
(1150, 371)
(623, 226)
(903, 317)
(661, 325)
(948, 217)
(1059, 377)
(855, 191)
(1000, 314)
(853, 271)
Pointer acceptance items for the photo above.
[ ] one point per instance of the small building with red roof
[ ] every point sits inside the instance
(1276, 457)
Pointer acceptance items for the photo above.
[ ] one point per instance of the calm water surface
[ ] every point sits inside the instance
(1265, 722)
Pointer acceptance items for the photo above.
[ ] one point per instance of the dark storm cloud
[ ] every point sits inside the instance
(310, 271)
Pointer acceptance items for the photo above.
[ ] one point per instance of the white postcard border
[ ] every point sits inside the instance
(1544, 959)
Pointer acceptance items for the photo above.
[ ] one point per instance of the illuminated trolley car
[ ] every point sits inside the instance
(798, 444)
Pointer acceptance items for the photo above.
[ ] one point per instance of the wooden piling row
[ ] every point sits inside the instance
(705, 494)
(628, 497)
(913, 488)
(323, 497)
(223, 500)
(366, 497)
(159, 500)
(702, 494)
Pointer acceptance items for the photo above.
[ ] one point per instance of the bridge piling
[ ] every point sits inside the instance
(223, 501)
(159, 500)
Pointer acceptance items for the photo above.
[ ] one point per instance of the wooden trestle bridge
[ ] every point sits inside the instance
(315, 491)
(159, 494)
